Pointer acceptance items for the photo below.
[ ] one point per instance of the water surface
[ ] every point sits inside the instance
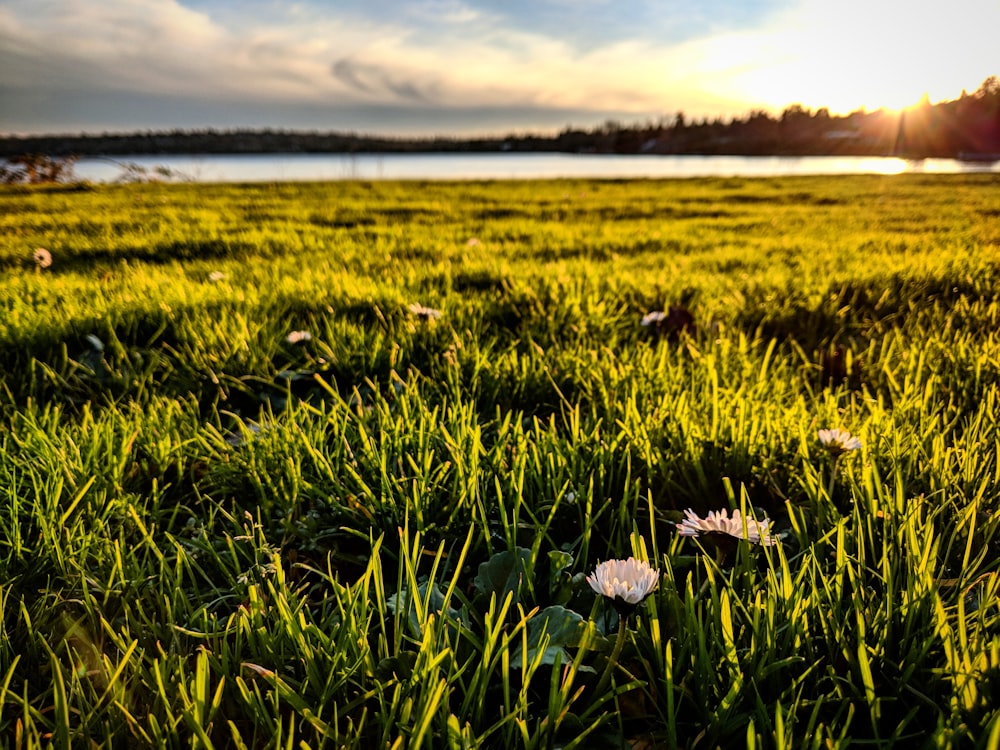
(502, 166)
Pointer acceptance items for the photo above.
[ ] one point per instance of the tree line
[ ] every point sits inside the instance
(966, 127)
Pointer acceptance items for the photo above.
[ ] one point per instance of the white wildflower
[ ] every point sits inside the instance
(624, 581)
(653, 318)
(42, 257)
(720, 522)
(838, 441)
(427, 313)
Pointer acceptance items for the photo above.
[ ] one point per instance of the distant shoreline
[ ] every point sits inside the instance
(967, 128)
(859, 134)
(128, 146)
(223, 145)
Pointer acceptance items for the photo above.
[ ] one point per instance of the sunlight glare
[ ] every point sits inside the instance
(858, 54)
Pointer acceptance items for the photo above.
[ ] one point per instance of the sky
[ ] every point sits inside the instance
(474, 67)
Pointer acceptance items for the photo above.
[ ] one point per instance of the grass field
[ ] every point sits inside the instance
(250, 498)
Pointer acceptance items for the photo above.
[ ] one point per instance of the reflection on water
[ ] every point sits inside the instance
(282, 167)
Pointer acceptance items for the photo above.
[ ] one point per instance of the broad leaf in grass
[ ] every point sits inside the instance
(435, 604)
(399, 667)
(503, 573)
(552, 631)
(560, 579)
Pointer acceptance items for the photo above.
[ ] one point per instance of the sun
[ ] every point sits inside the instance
(859, 54)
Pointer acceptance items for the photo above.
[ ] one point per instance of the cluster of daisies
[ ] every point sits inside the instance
(835, 441)
(627, 583)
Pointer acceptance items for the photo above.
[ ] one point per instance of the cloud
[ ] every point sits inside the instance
(458, 55)
(348, 73)
(161, 46)
(375, 81)
(447, 12)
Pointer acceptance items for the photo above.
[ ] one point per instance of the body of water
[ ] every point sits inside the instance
(503, 166)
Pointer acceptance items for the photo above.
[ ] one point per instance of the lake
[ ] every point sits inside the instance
(503, 166)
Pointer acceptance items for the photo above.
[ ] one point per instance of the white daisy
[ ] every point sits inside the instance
(628, 581)
(720, 522)
(838, 441)
(42, 257)
(427, 313)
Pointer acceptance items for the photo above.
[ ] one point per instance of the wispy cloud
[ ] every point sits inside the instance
(376, 81)
(160, 46)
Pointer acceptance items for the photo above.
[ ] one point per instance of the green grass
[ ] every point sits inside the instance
(378, 537)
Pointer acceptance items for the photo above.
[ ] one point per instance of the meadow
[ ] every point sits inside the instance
(328, 465)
